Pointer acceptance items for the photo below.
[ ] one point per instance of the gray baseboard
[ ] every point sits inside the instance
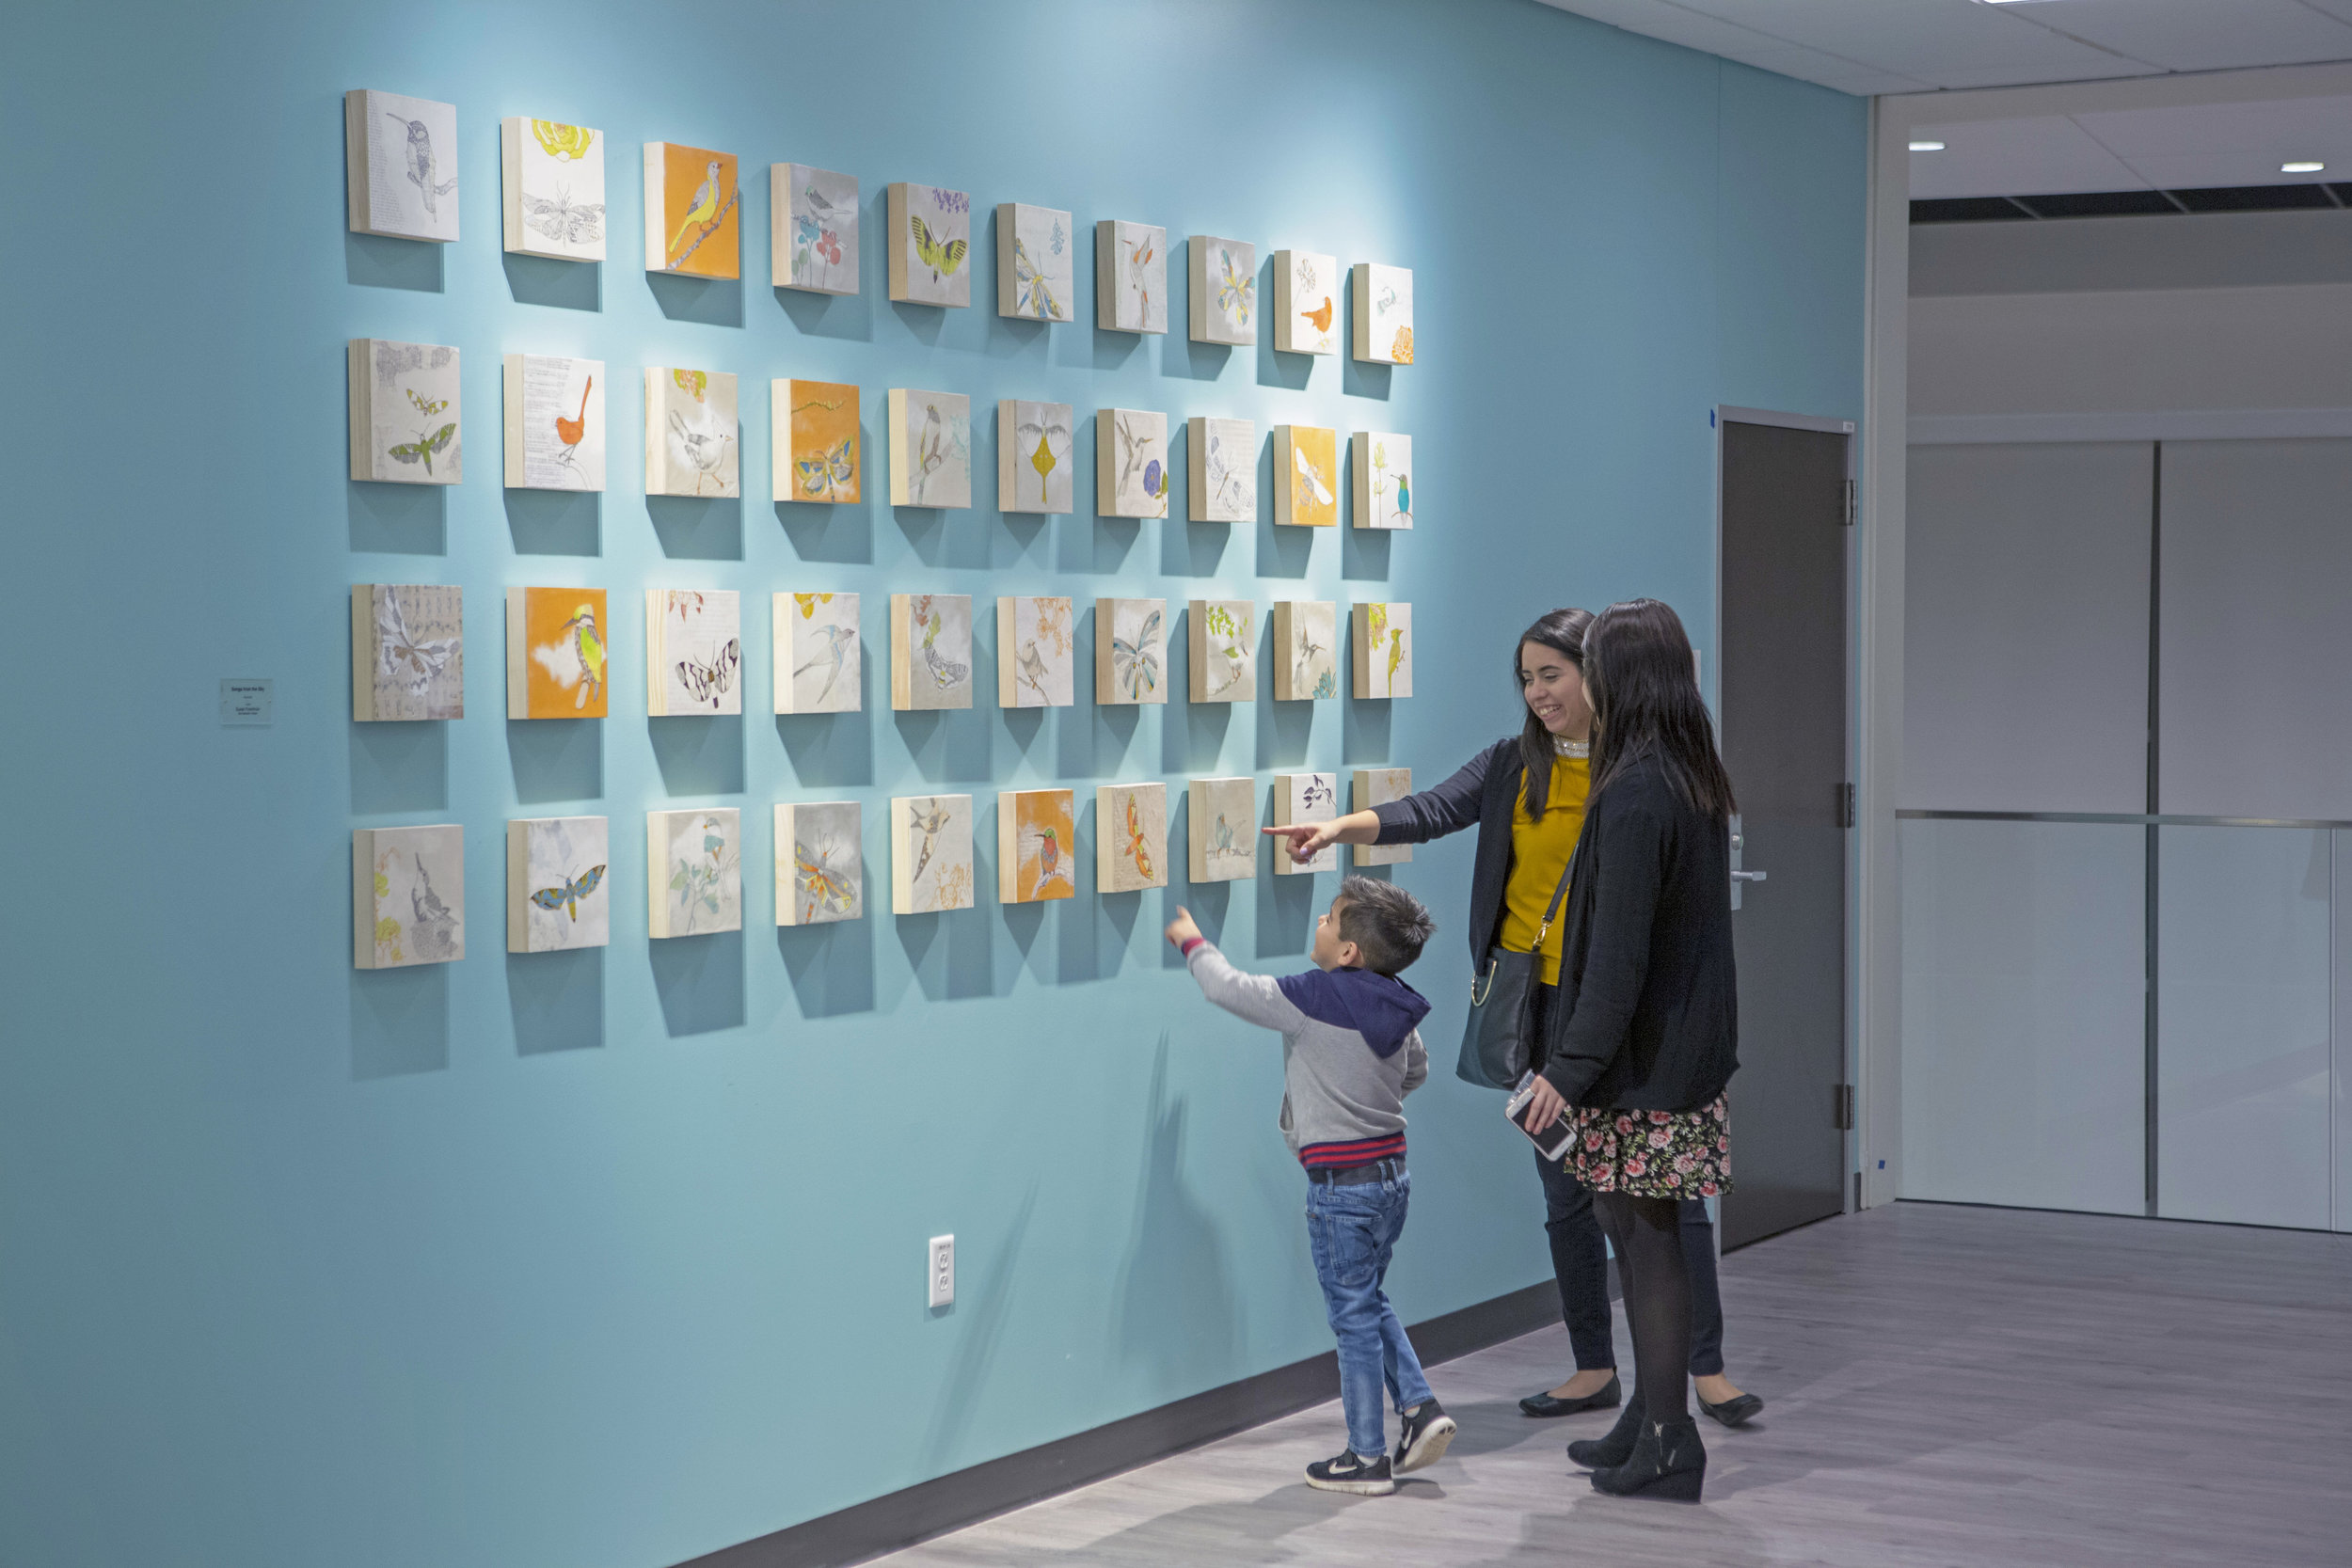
(868, 1529)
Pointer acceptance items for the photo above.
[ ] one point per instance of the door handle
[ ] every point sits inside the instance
(1748, 875)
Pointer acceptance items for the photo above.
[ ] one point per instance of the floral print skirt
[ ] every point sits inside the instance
(1653, 1153)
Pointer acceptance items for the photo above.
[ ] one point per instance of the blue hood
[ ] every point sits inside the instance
(1381, 1008)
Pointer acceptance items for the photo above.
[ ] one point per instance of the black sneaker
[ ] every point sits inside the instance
(1352, 1472)
(1427, 1431)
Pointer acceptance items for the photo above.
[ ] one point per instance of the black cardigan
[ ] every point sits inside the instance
(1483, 793)
(1648, 1014)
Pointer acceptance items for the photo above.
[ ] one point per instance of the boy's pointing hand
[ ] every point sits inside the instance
(1182, 929)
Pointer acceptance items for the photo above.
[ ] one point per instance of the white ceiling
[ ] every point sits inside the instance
(1896, 46)
(2178, 148)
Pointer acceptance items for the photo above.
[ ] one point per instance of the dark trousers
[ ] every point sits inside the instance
(1580, 1261)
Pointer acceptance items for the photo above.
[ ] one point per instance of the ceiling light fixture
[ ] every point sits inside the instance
(2307, 166)
(1938, 146)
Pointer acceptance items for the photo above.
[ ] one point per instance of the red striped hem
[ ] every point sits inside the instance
(1361, 1153)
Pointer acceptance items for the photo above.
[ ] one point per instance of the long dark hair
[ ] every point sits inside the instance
(1644, 688)
(1563, 631)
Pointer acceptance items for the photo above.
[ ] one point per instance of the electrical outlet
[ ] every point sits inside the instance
(943, 1272)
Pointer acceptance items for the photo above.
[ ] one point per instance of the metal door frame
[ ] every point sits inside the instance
(1850, 1140)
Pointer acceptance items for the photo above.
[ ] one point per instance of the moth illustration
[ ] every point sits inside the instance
(1316, 487)
(413, 663)
(569, 896)
(828, 474)
(428, 441)
(711, 681)
(943, 258)
(561, 221)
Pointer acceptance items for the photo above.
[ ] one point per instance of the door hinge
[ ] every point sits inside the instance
(1843, 1109)
(1850, 503)
(1842, 807)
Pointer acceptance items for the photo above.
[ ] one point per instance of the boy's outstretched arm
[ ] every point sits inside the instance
(1416, 1064)
(1253, 997)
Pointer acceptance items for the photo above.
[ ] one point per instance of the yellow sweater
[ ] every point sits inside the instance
(1539, 857)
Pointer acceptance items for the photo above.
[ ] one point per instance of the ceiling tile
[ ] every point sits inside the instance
(2202, 35)
(1950, 42)
(2227, 144)
(1809, 65)
(1673, 24)
(2016, 157)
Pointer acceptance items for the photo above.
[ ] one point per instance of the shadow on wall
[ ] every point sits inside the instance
(1178, 1317)
(975, 1356)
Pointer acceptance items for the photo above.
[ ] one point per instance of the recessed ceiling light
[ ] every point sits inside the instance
(1938, 146)
(2308, 166)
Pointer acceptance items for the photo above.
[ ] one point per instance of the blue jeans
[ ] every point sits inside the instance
(1353, 1229)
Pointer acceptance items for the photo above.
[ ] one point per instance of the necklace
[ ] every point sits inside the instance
(1571, 748)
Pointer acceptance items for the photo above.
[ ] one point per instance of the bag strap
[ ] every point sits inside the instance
(1552, 910)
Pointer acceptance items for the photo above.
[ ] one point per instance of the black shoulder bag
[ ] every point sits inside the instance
(1498, 1046)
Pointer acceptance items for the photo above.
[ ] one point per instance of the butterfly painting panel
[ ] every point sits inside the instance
(1130, 277)
(820, 862)
(407, 652)
(930, 244)
(813, 227)
(930, 853)
(1129, 651)
(404, 413)
(400, 165)
(816, 441)
(697, 862)
(694, 651)
(1222, 829)
(552, 178)
(408, 903)
(1035, 652)
(817, 653)
(1306, 476)
(930, 449)
(1131, 837)
(558, 888)
(693, 444)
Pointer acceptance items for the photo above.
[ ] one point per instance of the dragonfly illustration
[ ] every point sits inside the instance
(1235, 292)
(1031, 296)
(825, 882)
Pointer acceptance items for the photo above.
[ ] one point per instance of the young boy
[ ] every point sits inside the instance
(1350, 1055)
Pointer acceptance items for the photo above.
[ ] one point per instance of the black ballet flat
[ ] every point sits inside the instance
(1605, 1398)
(1734, 1412)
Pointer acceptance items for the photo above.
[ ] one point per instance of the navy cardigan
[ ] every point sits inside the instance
(1481, 795)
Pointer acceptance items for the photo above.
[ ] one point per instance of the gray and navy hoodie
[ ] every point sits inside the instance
(1350, 1052)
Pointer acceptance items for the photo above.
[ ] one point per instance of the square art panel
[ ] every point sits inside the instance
(408, 896)
(1221, 455)
(554, 422)
(930, 449)
(930, 853)
(1305, 798)
(1129, 651)
(1306, 476)
(1036, 647)
(1129, 837)
(1223, 638)
(1037, 254)
(693, 444)
(1034, 452)
(1130, 277)
(931, 650)
(557, 893)
(1224, 289)
(399, 158)
(693, 651)
(1035, 840)
(817, 653)
(930, 244)
(403, 413)
(407, 651)
(1381, 649)
(1377, 786)
(555, 652)
(820, 862)
(1384, 314)
(816, 451)
(1130, 462)
(1306, 302)
(1221, 829)
(551, 179)
(812, 228)
(1305, 650)
(696, 860)
(693, 212)
(1384, 478)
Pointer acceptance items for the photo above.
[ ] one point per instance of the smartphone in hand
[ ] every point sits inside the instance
(1550, 1142)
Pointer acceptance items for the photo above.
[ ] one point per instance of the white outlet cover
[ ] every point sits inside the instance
(943, 1271)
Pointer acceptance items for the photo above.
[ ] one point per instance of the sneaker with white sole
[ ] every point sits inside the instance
(1427, 1431)
(1352, 1472)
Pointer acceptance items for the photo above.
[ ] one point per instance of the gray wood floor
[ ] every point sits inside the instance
(1945, 1385)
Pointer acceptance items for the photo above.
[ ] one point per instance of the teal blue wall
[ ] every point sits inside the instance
(615, 1256)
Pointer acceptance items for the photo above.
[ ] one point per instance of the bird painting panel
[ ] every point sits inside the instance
(1306, 302)
(1036, 842)
(1222, 829)
(1300, 798)
(693, 651)
(552, 184)
(817, 653)
(930, 244)
(693, 222)
(697, 858)
(1130, 277)
(930, 449)
(555, 664)
(1305, 650)
(554, 422)
(1130, 463)
(1384, 314)
(820, 862)
(1036, 262)
(1383, 463)
(400, 154)
(931, 654)
(1306, 476)
(1035, 651)
(693, 444)
(1382, 649)
(1222, 643)
(557, 895)
(408, 896)
(930, 853)
(813, 224)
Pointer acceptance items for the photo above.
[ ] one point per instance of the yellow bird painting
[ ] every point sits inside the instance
(700, 212)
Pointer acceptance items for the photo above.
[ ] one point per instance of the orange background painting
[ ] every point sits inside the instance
(720, 255)
(1037, 812)
(1321, 449)
(825, 415)
(546, 616)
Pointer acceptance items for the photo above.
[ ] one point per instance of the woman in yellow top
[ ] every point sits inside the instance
(1525, 795)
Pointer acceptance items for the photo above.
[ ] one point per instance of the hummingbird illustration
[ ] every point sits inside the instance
(839, 641)
(589, 648)
(1048, 860)
(420, 164)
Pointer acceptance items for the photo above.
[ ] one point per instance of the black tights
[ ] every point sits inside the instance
(1646, 1233)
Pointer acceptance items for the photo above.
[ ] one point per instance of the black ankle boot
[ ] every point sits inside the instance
(1668, 1463)
(1598, 1452)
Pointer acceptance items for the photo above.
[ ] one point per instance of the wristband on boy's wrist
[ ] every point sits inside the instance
(1191, 943)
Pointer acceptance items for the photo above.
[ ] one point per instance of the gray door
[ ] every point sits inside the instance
(1781, 687)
